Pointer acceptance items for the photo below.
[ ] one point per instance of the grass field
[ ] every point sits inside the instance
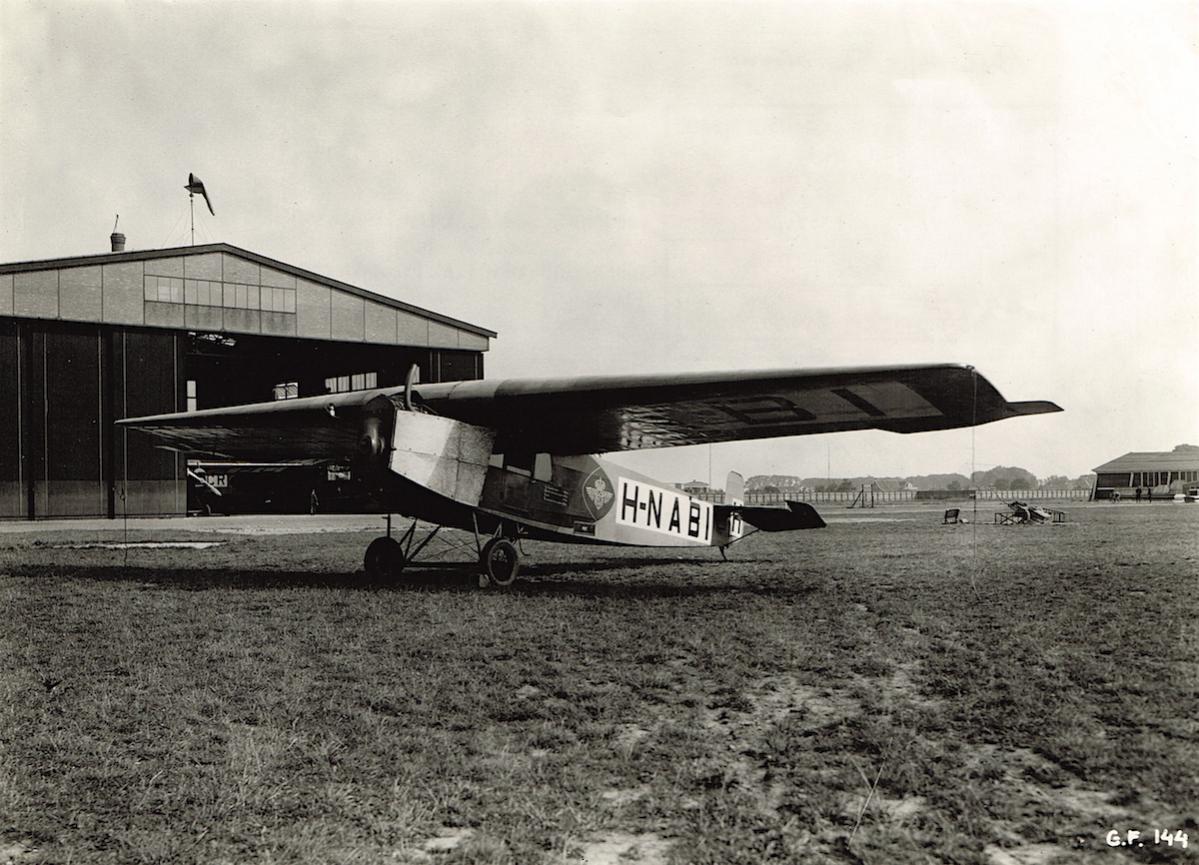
(886, 690)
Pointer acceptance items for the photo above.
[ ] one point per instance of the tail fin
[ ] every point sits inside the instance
(734, 489)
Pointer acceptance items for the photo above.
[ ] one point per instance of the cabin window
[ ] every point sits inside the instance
(539, 467)
(521, 464)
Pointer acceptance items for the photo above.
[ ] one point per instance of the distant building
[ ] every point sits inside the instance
(693, 488)
(1162, 472)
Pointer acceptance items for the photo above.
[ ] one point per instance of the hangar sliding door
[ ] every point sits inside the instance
(147, 378)
(14, 502)
(64, 420)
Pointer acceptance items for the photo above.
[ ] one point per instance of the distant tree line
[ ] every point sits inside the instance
(999, 478)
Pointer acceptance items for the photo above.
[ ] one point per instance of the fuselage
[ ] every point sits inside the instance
(575, 499)
(591, 499)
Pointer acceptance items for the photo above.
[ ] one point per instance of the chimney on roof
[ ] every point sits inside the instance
(116, 238)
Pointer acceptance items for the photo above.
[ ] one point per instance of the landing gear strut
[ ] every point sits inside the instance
(499, 557)
(386, 557)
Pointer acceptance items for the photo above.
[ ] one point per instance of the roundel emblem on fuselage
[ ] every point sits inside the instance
(598, 494)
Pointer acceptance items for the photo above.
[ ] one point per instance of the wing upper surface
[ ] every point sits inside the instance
(323, 428)
(617, 413)
(613, 413)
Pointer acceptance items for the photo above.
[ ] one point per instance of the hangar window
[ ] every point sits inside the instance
(164, 289)
(357, 381)
(278, 299)
(237, 296)
(287, 390)
(202, 292)
(192, 402)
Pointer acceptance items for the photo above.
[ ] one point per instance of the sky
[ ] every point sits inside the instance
(661, 187)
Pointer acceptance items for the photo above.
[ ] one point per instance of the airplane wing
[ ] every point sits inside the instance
(320, 427)
(618, 413)
(612, 413)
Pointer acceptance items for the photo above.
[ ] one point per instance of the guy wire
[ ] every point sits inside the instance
(973, 483)
(124, 498)
(973, 428)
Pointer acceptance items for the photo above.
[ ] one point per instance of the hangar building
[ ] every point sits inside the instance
(86, 341)
(1163, 472)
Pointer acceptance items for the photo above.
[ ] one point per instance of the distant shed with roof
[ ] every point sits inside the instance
(1161, 471)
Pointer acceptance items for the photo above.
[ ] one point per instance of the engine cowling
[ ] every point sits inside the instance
(372, 444)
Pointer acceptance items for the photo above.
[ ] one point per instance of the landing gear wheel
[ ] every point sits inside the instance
(501, 561)
(384, 558)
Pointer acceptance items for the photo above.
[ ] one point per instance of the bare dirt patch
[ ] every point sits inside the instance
(1027, 854)
(623, 848)
(618, 798)
(447, 839)
(15, 852)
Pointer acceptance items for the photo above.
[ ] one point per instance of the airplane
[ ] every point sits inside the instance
(521, 458)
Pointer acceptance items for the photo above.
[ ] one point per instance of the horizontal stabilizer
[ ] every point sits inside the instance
(797, 515)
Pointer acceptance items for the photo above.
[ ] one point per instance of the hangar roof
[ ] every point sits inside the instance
(1136, 461)
(218, 286)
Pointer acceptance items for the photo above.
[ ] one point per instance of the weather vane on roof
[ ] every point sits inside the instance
(194, 185)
